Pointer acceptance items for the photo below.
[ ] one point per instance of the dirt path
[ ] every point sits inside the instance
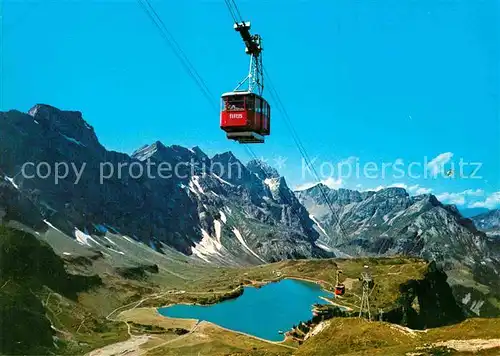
(193, 329)
(130, 347)
(472, 345)
(279, 343)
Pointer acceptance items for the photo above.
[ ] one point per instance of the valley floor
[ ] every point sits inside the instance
(196, 337)
(153, 334)
(82, 301)
(340, 336)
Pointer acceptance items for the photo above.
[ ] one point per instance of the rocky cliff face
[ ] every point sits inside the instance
(389, 222)
(215, 208)
(243, 211)
(426, 303)
(488, 222)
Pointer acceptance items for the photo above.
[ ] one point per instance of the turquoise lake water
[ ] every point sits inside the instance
(261, 311)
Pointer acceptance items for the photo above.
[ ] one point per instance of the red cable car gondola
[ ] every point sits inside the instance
(339, 287)
(245, 115)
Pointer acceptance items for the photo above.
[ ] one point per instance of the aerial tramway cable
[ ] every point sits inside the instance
(183, 58)
(231, 11)
(237, 10)
(193, 73)
(274, 94)
(179, 53)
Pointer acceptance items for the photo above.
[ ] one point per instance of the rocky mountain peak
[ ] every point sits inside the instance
(262, 169)
(199, 152)
(390, 221)
(69, 124)
(225, 157)
(392, 192)
(489, 222)
(146, 151)
(228, 167)
(320, 192)
(173, 153)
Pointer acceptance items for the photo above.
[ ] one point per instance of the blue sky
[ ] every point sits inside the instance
(366, 81)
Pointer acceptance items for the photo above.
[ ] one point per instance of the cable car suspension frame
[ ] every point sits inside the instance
(253, 43)
(245, 114)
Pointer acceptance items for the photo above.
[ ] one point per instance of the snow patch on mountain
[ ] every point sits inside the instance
(11, 181)
(75, 141)
(218, 230)
(109, 240)
(84, 238)
(127, 239)
(272, 183)
(222, 180)
(195, 182)
(223, 216)
(323, 247)
(244, 244)
(116, 251)
(316, 222)
(52, 226)
(216, 244)
(398, 214)
(207, 247)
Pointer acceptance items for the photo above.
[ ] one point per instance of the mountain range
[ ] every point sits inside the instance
(391, 222)
(247, 216)
(218, 210)
(488, 222)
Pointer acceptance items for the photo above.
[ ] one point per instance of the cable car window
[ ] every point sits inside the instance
(250, 101)
(234, 103)
(258, 105)
(225, 104)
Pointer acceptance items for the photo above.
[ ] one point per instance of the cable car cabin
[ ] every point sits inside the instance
(339, 289)
(245, 117)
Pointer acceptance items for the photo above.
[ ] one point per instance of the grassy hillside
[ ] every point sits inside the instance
(80, 299)
(352, 336)
(38, 294)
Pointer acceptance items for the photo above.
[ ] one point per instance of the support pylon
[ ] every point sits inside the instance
(367, 282)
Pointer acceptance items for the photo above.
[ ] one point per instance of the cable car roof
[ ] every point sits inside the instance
(234, 93)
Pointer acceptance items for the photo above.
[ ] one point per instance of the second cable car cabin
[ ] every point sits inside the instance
(245, 117)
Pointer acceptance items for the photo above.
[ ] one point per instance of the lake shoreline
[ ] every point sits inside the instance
(255, 284)
(316, 290)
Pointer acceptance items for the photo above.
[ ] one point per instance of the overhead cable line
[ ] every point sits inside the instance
(293, 132)
(179, 53)
(237, 10)
(274, 94)
(183, 58)
(231, 11)
(191, 70)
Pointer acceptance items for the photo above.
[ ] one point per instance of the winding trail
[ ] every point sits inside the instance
(193, 329)
(130, 347)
